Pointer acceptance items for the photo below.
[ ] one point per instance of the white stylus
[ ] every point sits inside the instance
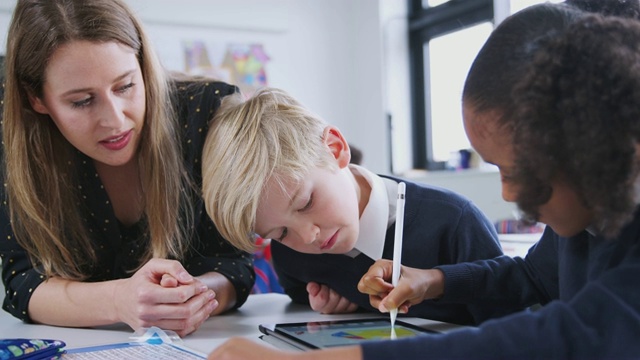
(397, 245)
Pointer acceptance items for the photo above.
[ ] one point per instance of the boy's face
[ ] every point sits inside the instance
(317, 215)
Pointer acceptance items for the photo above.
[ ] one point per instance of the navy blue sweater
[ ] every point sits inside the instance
(591, 293)
(440, 227)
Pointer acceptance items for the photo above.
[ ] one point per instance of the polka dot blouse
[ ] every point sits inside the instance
(117, 247)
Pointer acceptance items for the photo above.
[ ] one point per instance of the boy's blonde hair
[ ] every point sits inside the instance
(250, 142)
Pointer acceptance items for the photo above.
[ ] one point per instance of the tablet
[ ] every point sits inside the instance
(326, 334)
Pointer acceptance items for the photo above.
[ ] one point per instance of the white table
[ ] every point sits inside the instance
(263, 308)
(518, 244)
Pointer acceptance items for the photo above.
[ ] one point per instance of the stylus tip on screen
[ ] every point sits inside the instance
(393, 313)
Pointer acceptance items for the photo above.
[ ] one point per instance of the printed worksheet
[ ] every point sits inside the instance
(134, 351)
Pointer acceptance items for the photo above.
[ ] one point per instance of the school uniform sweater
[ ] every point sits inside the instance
(440, 227)
(590, 293)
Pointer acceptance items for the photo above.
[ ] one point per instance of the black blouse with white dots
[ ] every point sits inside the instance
(119, 248)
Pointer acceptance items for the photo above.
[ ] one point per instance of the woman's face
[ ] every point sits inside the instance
(564, 212)
(95, 94)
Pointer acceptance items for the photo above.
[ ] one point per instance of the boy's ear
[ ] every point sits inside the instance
(337, 145)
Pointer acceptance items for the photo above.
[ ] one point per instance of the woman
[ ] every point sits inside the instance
(103, 220)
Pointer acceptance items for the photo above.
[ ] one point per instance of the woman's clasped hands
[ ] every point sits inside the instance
(163, 294)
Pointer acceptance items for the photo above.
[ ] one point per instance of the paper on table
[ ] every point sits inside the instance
(154, 343)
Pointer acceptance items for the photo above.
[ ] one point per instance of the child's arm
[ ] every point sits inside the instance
(243, 348)
(414, 286)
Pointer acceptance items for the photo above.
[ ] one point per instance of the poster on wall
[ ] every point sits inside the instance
(243, 65)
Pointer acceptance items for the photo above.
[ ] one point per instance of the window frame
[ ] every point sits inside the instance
(426, 23)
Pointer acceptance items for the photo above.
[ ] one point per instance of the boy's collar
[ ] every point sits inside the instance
(375, 219)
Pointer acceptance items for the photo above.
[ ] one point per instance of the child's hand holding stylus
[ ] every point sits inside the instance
(415, 286)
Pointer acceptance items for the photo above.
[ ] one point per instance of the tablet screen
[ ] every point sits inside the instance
(324, 334)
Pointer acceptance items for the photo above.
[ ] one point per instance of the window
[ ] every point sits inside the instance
(450, 57)
(444, 37)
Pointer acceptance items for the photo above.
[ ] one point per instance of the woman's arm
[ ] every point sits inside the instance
(139, 301)
(224, 290)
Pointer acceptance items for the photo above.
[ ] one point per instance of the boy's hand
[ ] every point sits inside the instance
(326, 301)
(414, 286)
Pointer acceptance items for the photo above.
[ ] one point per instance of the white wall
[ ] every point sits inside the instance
(6, 7)
(482, 187)
(346, 60)
(327, 53)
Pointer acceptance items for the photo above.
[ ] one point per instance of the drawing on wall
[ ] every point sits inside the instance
(243, 65)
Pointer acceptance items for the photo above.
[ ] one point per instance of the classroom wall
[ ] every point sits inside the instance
(326, 53)
(482, 187)
(344, 59)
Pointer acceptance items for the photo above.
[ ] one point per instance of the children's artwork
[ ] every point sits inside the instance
(243, 65)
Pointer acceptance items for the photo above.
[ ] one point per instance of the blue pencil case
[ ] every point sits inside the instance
(30, 349)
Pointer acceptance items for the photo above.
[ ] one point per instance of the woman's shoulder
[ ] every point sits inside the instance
(199, 98)
(190, 87)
